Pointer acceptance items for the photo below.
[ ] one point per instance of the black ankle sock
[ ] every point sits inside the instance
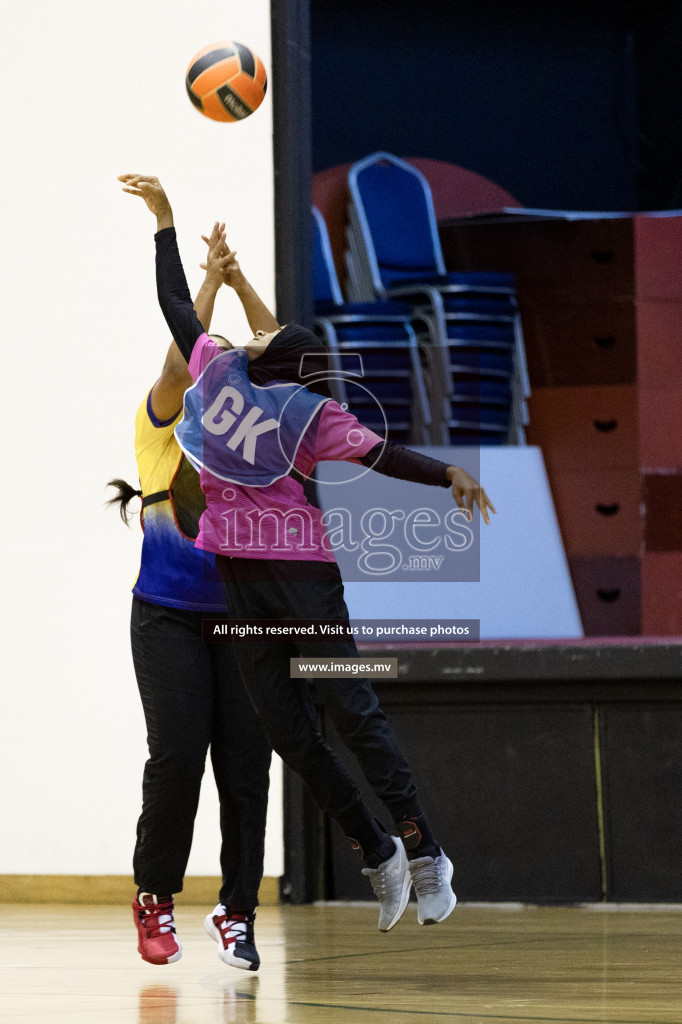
(370, 837)
(384, 851)
(160, 898)
(231, 911)
(418, 838)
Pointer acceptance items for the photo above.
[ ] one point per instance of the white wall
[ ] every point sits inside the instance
(91, 91)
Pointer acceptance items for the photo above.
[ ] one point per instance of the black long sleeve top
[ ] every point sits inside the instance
(406, 464)
(173, 293)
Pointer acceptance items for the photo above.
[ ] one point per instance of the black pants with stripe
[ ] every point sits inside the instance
(280, 589)
(193, 699)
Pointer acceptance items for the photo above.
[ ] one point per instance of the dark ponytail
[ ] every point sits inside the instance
(125, 494)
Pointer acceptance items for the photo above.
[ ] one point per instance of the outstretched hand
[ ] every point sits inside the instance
(150, 189)
(230, 270)
(466, 491)
(217, 250)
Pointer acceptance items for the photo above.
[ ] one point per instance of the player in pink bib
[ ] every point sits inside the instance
(284, 430)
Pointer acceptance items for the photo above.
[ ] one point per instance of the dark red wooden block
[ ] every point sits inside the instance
(599, 512)
(554, 260)
(663, 503)
(658, 257)
(576, 343)
(662, 594)
(585, 428)
(608, 595)
(660, 426)
(659, 343)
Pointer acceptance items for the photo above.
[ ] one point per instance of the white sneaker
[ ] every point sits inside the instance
(391, 882)
(233, 932)
(431, 879)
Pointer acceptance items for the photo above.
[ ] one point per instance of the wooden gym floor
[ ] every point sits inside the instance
(65, 964)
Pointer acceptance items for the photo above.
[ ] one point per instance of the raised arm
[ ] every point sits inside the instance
(214, 267)
(257, 313)
(171, 284)
(169, 389)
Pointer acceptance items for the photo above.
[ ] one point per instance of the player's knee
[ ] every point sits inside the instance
(184, 767)
(299, 752)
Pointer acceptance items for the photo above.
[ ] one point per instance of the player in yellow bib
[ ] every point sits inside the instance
(192, 693)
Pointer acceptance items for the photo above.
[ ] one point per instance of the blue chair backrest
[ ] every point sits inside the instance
(325, 282)
(395, 210)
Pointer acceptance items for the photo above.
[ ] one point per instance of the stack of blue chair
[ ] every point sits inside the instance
(374, 353)
(472, 343)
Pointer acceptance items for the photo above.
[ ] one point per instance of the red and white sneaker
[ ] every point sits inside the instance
(233, 932)
(156, 939)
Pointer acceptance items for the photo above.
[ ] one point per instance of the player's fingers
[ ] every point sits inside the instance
(133, 179)
(464, 502)
(216, 241)
(457, 495)
(483, 504)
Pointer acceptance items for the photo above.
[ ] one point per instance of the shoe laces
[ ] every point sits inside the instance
(426, 877)
(234, 926)
(157, 918)
(378, 877)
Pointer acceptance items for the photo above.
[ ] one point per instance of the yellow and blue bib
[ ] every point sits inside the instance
(173, 572)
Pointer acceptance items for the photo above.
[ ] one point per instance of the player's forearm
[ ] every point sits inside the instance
(257, 313)
(405, 464)
(173, 293)
(164, 218)
(205, 300)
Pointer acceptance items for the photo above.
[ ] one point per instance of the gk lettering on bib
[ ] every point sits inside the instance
(239, 431)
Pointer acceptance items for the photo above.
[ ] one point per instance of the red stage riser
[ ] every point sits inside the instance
(580, 343)
(608, 594)
(599, 512)
(585, 428)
